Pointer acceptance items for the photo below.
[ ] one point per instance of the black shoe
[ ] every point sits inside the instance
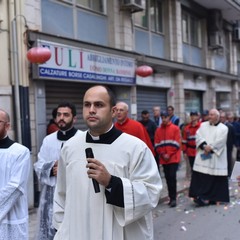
(212, 203)
(173, 203)
(200, 202)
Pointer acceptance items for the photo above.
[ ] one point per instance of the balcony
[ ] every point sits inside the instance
(230, 8)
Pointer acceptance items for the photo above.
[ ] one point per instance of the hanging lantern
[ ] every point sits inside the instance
(38, 55)
(144, 71)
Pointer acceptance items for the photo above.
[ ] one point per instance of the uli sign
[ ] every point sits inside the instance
(71, 63)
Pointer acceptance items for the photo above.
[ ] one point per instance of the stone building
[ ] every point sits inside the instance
(192, 46)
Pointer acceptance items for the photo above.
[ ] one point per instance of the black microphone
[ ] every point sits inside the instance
(89, 154)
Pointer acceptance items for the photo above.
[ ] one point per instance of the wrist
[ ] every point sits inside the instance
(110, 182)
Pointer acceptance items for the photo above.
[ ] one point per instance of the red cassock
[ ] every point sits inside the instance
(136, 129)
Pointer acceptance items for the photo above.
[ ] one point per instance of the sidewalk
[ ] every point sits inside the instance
(182, 184)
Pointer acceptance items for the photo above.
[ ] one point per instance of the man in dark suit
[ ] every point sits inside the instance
(230, 141)
(148, 124)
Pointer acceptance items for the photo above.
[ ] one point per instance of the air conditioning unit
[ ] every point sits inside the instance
(132, 5)
(215, 40)
(215, 20)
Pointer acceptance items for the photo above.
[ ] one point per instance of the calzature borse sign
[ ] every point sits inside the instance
(79, 64)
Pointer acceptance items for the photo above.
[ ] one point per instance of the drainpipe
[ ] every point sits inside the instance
(16, 80)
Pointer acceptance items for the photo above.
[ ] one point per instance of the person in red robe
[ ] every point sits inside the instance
(130, 126)
(52, 125)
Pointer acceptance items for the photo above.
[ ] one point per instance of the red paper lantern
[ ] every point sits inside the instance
(38, 55)
(144, 71)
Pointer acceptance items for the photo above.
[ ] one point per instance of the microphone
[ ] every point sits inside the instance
(89, 154)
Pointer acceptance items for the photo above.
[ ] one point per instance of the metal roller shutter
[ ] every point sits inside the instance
(147, 98)
(57, 92)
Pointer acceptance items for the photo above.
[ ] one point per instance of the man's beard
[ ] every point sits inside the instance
(66, 127)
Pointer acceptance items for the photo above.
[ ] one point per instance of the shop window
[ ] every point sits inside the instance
(191, 29)
(152, 17)
(223, 100)
(193, 101)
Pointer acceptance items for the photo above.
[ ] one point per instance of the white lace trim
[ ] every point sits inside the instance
(7, 200)
(14, 231)
(45, 230)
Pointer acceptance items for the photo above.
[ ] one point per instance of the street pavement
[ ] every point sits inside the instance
(186, 221)
(182, 185)
(190, 222)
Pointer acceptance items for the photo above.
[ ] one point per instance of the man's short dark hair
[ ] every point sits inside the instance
(144, 112)
(69, 105)
(54, 113)
(171, 107)
(112, 97)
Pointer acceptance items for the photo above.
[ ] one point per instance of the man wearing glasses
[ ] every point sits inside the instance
(14, 172)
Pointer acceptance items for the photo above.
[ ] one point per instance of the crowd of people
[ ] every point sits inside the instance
(107, 179)
(206, 141)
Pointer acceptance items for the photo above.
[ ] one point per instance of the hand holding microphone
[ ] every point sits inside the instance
(89, 154)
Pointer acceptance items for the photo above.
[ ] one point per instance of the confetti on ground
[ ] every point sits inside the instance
(183, 228)
(189, 211)
(225, 208)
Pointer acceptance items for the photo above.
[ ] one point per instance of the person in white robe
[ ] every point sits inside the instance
(46, 167)
(209, 183)
(125, 170)
(14, 172)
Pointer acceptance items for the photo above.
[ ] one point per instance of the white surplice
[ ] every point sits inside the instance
(216, 137)
(14, 172)
(80, 213)
(49, 153)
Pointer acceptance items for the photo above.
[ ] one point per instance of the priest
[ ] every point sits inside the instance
(14, 172)
(125, 170)
(209, 183)
(47, 165)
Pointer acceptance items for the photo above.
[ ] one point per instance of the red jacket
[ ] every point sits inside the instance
(136, 129)
(167, 141)
(52, 128)
(189, 139)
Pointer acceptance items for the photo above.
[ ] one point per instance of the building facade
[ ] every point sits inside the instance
(192, 46)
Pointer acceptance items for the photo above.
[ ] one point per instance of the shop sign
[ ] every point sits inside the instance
(71, 63)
